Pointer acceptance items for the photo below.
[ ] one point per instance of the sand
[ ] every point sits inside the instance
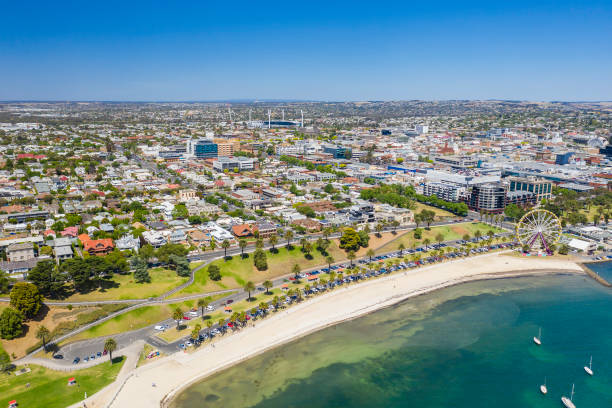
(173, 373)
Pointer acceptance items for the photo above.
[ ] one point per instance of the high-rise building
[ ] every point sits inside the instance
(488, 197)
(541, 188)
(205, 149)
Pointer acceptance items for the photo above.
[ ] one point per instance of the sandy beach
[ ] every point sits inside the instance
(173, 373)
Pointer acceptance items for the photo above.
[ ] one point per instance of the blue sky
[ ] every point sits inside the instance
(317, 50)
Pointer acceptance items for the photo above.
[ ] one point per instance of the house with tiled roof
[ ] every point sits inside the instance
(96, 246)
(243, 230)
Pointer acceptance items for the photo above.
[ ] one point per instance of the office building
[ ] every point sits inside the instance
(232, 163)
(338, 152)
(205, 149)
(541, 188)
(490, 198)
(444, 191)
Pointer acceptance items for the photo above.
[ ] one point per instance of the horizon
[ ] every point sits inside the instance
(320, 52)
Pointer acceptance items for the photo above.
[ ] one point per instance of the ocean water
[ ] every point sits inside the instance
(466, 346)
(603, 269)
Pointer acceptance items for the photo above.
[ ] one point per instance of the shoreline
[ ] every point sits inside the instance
(173, 374)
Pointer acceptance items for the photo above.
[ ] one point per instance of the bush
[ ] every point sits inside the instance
(11, 323)
(214, 273)
(260, 260)
(26, 299)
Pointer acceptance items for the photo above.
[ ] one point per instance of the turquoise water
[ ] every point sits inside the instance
(465, 346)
(603, 269)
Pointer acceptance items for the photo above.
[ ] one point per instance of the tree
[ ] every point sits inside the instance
(213, 244)
(466, 237)
(141, 272)
(195, 333)
(417, 219)
(350, 240)
(273, 240)
(296, 271)
(214, 273)
(379, 227)
(202, 304)
(242, 244)
(370, 254)
(289, 237)
(439, 238)
(5, 361)
(110, 345)
(146, 252)
(401, 248)
(180, 264)
(330, 260)
(427, 216)
(478, 234)
(225, 245)
(267, 284)
(303, 242)
(209, 325)
(249, 287)
(11, 323)
(49, 281)
(418, 233)
(513, 211)
(351, 256)
(563, 249)
(307, 249)
(426, 242)
(177, 315)
(42, 333)
(180, 211)
(5, 282)
(26, 298)
(326, 233)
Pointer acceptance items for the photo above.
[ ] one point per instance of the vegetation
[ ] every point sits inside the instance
(11, 323)
(26, 299)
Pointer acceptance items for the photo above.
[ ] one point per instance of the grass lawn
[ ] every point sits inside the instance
(162, 280)
(450, 232)
(237, 271)
(136, 319)
(440, 213)
(49, 388)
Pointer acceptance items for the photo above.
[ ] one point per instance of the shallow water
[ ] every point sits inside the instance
(465, 346)
(603, 269)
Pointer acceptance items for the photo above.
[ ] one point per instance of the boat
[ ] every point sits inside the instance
(567, 402)
(589, 369)
(543, 388)
(537, 340)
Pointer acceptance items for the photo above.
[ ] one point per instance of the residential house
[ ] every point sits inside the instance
(127, 243)
(243, 230)
(153, 238)
(62, 248)
(96, 246)
(265, 229)
(20, 252)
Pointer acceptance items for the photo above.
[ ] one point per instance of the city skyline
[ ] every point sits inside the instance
(319, 52)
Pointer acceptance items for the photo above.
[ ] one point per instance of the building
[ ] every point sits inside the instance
(227, 147)
(127, 243)
(490, 198)
(153, 238)
(444, 191)
(265, 229)
(541, 188)
(338, 152)
(563, 158)
(456, 162)
(62, 248)
(521, 198)
(187, 194)
(28, 216)
(20, 252)
(96, 246)
(232, 163)
(203, 149)
(421, 129)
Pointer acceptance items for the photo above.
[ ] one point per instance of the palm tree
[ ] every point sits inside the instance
(303, 242)
(110, 345)
(439, 237)
(351, 256)
(477, 234)
(401, 248)
(275, 301)
(242, 244)
(195, 333)
(267, 284)
(273, 241)
(296, 271)
(177, 315)
(221, 323)
(225, 245)
(426, 242)
(370, 254)
(202, 303)
(289, 237)
(249, 287)
(209, 324)
(307, 249)
(42, 334)
(326, 233)
(330, 260)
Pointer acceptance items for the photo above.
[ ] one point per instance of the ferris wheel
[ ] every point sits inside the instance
(539, 229)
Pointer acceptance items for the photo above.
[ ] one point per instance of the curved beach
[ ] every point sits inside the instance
(174, 373)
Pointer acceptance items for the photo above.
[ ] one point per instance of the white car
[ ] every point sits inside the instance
(193, 314)
(210, 308)
(160, 327)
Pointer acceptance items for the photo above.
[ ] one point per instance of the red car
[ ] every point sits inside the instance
(186, 318)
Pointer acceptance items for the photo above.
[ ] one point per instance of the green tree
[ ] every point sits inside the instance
(330, 260)
(180, 211)
(11, 323)
(273, 240)
(350, 240)
(141, 272)
(177, 315)
(5, 361)
(427, 216)
(5, 282)
(267, 284)
(426, 242)
(379, 227)
(249, 287)
(195, 333)
(401, 248)
(418, 233)
(146, 252)
(370, 254)
(289, 237)
(42, 333)
(242, 244)
(296, 271)
(439, 238)
(202, 304)
(110, 345)
(351, 257)
(48, 279)
(26, 298)
(214, 273)
(514, 212)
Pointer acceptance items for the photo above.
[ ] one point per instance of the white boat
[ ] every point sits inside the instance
(543, 388)
(567, 402)
(537, 340)
(589, 369)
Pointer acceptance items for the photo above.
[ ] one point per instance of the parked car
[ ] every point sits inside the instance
(76, 360)
(58, 357)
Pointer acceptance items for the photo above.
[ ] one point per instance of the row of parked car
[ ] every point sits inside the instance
(99, 354)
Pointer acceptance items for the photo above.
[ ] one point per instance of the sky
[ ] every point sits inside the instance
(309, 50)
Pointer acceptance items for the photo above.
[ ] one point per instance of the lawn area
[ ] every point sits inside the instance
(237, 271)
(450, 232)
(162, 280)
(49, 389)
(136, 319)
(440, 213)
